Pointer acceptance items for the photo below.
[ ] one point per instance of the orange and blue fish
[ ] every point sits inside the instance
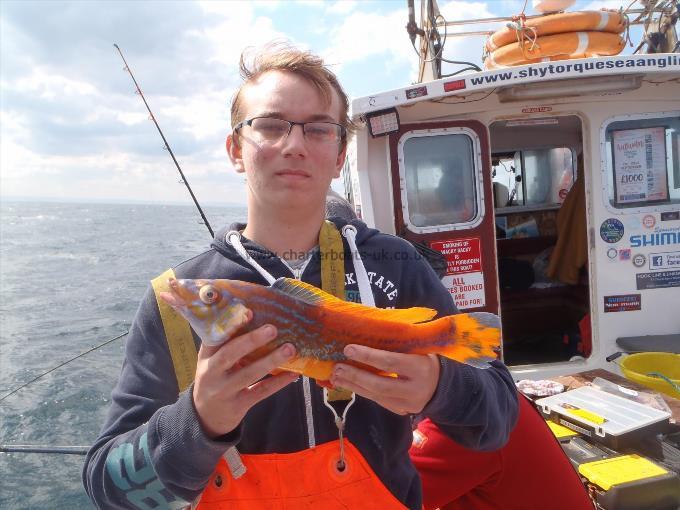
(320, 325)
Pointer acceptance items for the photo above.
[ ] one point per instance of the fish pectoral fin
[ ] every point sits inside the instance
(313, 296)
(310, 367)
(296, 365)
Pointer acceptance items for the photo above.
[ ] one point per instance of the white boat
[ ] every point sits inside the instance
(480, 166)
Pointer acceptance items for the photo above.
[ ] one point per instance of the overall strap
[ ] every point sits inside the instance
(177, 333)
(333, 281)
(332, 260)
(184, 354)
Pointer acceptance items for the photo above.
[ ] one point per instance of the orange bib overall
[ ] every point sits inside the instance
(309, 479)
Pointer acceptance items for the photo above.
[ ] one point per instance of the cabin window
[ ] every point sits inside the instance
(533, 178)
(642, 161)
(440, 180)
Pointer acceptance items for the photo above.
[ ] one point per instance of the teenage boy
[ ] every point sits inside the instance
(158, 450)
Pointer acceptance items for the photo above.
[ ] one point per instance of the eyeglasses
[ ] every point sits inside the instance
(272, 130)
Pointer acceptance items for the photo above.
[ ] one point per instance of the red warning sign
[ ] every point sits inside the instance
(462, 255)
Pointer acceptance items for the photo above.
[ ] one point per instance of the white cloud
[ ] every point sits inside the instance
(465, 48)
(203, 115)
(116, 175)
(596, 5)
(365, 34)
(130, 118)
(238, 28)
(341, 7)
(50, 85)
(311, 3)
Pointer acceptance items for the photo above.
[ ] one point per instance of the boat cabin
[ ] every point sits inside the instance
(551, 190)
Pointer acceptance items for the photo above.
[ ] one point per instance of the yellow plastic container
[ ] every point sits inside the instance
(636, 367)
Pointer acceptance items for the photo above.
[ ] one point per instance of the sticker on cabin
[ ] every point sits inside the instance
(670, 216)
(467, 289)
(416, 92)
(463, 277)
(450, 86)
(660, 237)
(611, 230)
(639, 260)
(611, 253)
(462, 255)
(639, 160)
(664, 261)
(537, 109)
(648, 221)
(624, 254)
(623, 303)
(657, 280)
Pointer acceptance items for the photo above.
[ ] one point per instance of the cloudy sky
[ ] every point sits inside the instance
(72, 127)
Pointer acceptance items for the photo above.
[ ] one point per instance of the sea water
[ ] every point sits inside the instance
(71, 277)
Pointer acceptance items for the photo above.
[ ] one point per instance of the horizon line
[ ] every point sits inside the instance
(111, 201)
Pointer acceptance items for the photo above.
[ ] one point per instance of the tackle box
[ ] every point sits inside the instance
(631, 482)
(605, 418)
(581, 451)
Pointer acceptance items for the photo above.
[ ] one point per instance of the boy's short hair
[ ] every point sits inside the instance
(282, 56)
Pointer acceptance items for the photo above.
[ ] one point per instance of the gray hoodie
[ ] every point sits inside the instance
(152, 452)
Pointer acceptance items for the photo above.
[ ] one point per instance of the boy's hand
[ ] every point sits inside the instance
(418, 376)
(225, 388)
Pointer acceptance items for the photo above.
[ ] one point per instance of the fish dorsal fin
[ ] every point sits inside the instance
(314, 296)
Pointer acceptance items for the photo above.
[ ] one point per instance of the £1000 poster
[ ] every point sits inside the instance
(640, 165)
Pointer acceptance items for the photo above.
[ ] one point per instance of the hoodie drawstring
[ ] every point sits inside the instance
(365, 292)
(233, 237)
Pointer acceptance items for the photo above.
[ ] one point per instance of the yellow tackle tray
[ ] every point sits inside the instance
(631, 482)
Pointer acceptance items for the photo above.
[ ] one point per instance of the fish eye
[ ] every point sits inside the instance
(209, 294)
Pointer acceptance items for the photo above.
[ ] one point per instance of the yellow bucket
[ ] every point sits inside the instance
(636, 367)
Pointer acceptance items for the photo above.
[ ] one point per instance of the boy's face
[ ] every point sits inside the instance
(293, 172)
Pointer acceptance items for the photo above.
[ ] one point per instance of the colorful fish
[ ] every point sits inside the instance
(320, 325)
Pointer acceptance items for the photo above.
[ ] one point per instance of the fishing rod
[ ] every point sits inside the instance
(167, 145)
(64, 450)
(62, 364)
(30, 448)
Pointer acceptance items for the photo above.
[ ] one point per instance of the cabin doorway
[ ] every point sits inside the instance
(541, 239)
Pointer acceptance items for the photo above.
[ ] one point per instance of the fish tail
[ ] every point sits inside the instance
(471, 338)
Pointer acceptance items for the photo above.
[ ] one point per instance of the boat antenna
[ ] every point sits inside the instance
(167, 145)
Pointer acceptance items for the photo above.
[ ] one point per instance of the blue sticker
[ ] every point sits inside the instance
(611, 230)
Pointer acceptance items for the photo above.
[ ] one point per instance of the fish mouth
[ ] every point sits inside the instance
(174, 298)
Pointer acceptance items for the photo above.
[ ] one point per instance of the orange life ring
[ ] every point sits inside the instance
(489, 65)
(583, 21)
(556, 47)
